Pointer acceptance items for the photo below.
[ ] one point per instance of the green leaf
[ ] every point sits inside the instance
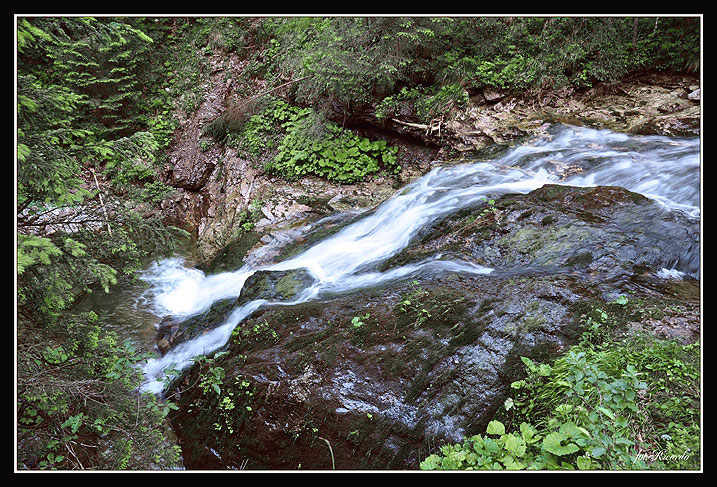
(528, 433)
(495, 428)
(433, 462)
(607, 412)
(529, 363)
(624, 441)
(514, 444)
(544, 370)
(511, 463)
(553, 443)
(585, 463)
(598, 451)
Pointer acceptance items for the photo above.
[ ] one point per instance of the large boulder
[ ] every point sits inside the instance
(606, 231)
(381, 376)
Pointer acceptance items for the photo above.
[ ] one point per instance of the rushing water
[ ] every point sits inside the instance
(664, 169)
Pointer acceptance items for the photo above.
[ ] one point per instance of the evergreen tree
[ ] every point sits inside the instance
(78, 124)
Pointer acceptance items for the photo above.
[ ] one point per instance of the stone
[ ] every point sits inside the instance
(491, 94)
(275, 285)
(168, 332)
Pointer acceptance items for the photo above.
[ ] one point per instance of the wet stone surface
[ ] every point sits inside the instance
(385, 375)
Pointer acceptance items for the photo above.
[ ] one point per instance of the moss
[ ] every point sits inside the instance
(288, 286)
(279, 285)
(579, 260)
(309, 340)
(550, 192)
(212, 318)
(466, 335)
(461, 333)
(533, 321)
(420, 382)
(545, 246)
(587, 198)
(547, 220)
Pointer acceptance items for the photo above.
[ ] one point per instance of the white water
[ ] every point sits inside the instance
(664, 169)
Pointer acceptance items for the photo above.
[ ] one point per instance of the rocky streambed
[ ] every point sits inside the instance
(388, 373)
(373, 338)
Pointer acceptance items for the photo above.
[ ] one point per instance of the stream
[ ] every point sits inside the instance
(664, 169)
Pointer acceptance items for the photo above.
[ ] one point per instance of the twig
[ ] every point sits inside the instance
(67, 445)
(421, 126)
(280, 86)
(104, 209)
(333, 465)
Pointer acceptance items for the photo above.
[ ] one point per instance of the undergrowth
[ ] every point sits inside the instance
(608, 403)
(304, 145)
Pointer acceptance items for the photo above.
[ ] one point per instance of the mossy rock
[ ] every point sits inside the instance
(231, 257)
(590, 199)
(275, 285)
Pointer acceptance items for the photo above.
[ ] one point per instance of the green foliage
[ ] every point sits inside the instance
(80, 115)
(419, 104)
(356, 61)
(305, 146)
(63, 247)
(99, 59)
(76, 404)
(257, 333)
(413, 305)
(358, 321)
(340, 155)
(605, 404)
(228, 402)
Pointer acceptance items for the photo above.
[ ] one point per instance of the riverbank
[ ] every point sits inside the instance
(223, 191)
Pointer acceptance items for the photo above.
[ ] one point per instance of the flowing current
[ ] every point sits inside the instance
(664, 169)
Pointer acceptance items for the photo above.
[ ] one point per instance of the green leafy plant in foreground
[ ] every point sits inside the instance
(619, 405)
(358, 321)
(588, 434)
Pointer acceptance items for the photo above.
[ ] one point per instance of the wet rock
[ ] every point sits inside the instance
(380, 392)
(383, 375)
(168, 332)
(173, 330)
(604, 230)
(275, 285)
